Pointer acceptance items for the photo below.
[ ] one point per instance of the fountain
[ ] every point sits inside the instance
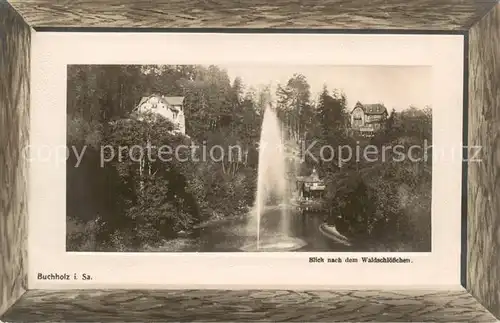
(272, 197)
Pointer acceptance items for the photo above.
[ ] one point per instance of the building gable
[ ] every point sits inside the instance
(358, 112)
(371, 109)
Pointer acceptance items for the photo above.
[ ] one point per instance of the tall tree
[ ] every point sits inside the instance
(294, 106)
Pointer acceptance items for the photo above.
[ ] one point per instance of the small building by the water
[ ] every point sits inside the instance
(310, 187)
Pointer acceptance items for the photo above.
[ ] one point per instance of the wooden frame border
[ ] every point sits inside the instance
(478, 21)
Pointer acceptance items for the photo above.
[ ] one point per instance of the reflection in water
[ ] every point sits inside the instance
(304, 235)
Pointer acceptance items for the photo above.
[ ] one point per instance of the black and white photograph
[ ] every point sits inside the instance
(249, 158)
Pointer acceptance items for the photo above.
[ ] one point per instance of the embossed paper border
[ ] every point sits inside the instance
(479, 21)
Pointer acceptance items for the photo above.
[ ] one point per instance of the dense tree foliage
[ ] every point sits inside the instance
(136, 200)
(130, 201)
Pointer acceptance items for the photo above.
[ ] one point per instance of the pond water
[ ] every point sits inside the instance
(235, 236)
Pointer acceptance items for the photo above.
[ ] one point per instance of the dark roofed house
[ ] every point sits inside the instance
(367, 119)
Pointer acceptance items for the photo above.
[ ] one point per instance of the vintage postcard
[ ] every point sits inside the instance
(212, 158)
(260, 158)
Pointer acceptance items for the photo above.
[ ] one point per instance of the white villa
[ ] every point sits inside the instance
(170, 107)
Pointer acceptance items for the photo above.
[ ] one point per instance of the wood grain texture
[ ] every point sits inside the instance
(484, 177)
(247, 305)
(14, 121)
(339, 14)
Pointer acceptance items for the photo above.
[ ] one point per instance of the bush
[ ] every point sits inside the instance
(388, 205)
(81, 236)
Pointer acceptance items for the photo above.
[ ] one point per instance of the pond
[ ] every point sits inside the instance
(302, 234)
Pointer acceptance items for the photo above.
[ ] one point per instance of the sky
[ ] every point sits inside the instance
(396, 87)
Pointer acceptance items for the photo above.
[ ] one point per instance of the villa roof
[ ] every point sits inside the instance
(174, 100)
(374, 109)
(169, 100)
